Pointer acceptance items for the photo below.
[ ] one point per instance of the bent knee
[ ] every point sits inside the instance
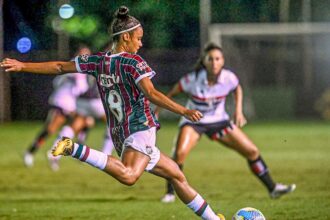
(180, 156)
(252, 153)
(177, 177)
(129, 182)
(129, 178)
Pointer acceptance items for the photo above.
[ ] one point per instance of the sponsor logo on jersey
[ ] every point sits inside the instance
(108, 80)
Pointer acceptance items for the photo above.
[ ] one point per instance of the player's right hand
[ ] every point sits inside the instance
(193, 115)
(11, 65)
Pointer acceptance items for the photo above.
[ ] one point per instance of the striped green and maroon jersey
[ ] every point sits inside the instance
(127, 109)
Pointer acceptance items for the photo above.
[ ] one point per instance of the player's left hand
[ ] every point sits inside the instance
(11, 65)
(240, 120)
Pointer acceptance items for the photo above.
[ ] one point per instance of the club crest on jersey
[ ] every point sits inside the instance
(84, 57)
(108, 80)
(142, 66)
(149, 149)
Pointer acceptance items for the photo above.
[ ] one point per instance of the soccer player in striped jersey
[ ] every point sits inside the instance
(62, 103)
(124, 82)
(207, 88)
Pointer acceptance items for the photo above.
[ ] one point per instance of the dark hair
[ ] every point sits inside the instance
(122, 21)
(207, 48)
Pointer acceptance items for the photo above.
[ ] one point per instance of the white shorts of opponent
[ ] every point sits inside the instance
(65, 101)
(90, 107)
(145, 142)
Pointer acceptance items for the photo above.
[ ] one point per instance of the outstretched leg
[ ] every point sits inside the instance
(186, 140)
(55, 119)
(169, 170)
(237, 140)
(129, 170)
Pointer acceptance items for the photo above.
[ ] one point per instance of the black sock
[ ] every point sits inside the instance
(169, 186)
(259, 168)
(38, 142)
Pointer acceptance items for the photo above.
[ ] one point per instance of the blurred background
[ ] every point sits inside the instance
(280, 49)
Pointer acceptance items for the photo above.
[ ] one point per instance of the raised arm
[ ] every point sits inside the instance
(52, 67)
(163, 101)
(239, 117)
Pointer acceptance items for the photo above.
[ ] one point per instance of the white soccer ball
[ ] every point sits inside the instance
(248, 213)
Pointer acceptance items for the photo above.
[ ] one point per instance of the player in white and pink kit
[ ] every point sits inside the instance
(207, 88)
(63, 106)
(89, 108)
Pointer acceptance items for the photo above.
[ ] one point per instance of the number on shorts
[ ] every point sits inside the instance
(115, 103)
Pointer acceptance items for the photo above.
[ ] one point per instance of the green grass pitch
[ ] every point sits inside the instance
(296, 152)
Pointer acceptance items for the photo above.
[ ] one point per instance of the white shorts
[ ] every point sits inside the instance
(90, 107)
(144, 142)
(66, 102)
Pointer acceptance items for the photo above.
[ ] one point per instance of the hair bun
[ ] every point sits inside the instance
(122, 12)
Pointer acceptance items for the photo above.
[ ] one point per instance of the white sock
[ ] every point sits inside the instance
(202, 209)
(107, 145)
(90, 156)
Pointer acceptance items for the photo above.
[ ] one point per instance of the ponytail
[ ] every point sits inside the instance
(122, 22)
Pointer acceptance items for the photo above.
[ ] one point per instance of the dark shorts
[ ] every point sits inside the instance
(59, 110)
(214, 130)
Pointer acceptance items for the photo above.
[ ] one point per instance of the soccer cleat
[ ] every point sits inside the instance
(53, 161)
(281, 189)
(28, 159)
(63, 147)
(168, 198)
(221, 216)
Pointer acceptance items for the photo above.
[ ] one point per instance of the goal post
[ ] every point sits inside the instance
(218, 31)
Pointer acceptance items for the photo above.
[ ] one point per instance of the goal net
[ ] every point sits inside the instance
(283, 67)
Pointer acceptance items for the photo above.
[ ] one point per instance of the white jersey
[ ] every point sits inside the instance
(210, 100)
(66, 90)
(90, 103)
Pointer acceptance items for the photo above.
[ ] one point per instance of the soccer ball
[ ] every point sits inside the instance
(248, 213)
